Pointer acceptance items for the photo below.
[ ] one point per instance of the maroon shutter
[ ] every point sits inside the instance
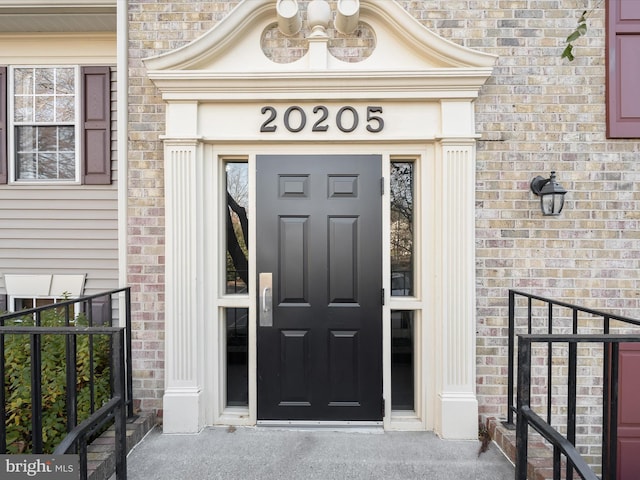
(96, 126)
(3, 125)
(623, 68)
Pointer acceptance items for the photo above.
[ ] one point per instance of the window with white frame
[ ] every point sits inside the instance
(45, 123)
(236, 316)
(55, 124)
(405, 329)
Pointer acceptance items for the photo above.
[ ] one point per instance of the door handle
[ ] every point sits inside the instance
(266, 296)
(265, 315)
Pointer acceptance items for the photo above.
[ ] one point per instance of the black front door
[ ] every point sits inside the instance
(319, 256)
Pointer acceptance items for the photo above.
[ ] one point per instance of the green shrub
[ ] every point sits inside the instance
(17, 381)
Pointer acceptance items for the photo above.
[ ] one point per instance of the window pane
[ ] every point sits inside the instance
(402, 228)
(45, 153)
(44, 81)
(26, 166)
(65, 81)
(237, 183)
(47, 166)
(23, 304)
(23, 109)
(65, 109)
(44, 109)
(402, 360)
(237, 356)
(66, 166)
(23, 81)
(25, 139)
(47, 139)
(66, 139)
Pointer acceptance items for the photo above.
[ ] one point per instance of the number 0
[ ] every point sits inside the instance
(354, 125)
(287, 115)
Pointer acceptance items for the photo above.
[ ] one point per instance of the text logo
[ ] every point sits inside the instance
(49, 467)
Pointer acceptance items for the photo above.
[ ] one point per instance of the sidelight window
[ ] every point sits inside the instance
(402, 228)
(402, 360)
(234, 326)
(237, 227)
(237, 333)
(407, 409)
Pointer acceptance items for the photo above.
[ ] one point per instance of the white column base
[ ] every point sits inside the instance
(182, 411)
(458, 416)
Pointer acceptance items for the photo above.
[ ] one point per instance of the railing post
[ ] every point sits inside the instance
(36, 393)
(129, 367)
(120, 412)
(524, 399)
(572, 386)
(549, 362)
(510, 359)
(612, 454)
(72, 380)
(606, 403)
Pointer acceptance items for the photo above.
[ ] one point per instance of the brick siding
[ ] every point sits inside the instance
(537, 113)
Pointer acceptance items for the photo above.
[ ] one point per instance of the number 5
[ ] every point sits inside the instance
(375, 118)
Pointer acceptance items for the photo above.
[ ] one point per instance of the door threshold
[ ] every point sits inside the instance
(320, 425)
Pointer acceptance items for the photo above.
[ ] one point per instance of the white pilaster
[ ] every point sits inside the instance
(182, 403)
(457, 406)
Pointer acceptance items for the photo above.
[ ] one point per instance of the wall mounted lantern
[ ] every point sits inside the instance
(551, 194)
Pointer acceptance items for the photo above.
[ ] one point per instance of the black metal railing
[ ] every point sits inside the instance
(114, 409)
(563, 447)
(546, 322)
(94, 358)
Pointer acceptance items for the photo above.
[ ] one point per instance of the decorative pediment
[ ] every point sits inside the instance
(230, 60)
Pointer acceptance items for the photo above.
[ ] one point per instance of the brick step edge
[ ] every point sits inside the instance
(540, 461)
(101, 462)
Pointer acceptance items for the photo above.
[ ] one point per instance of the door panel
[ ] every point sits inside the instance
(319, 225)
(295, 367)
(342, 261)
(293, 254)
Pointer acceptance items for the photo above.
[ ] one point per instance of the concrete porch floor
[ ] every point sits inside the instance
(267, 453)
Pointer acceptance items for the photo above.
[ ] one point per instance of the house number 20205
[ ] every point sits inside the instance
(346, 119)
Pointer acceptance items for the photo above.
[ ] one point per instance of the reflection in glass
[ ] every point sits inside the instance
(237, 187)
(65, 81)
(26, 166)
(46, 153)
(65, 109)
(25, 139)
(402, 360)
(402, 228)
(44, 96)
(44, 109)
(45, 81)
(23, 81)
(23, 109)
(237, 356)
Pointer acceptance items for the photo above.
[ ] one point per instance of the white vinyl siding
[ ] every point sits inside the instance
(60, 231)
